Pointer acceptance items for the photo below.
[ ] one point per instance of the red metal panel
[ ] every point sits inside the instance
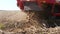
(56, 14)
(29, 0)
(20, 4)
(39, 2)
(50, 1)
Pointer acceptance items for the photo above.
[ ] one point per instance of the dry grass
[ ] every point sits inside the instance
(25, 23)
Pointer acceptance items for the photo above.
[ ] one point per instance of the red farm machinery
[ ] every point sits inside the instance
(51, 8)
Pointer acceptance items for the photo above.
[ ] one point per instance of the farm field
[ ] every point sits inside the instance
(17, 22)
